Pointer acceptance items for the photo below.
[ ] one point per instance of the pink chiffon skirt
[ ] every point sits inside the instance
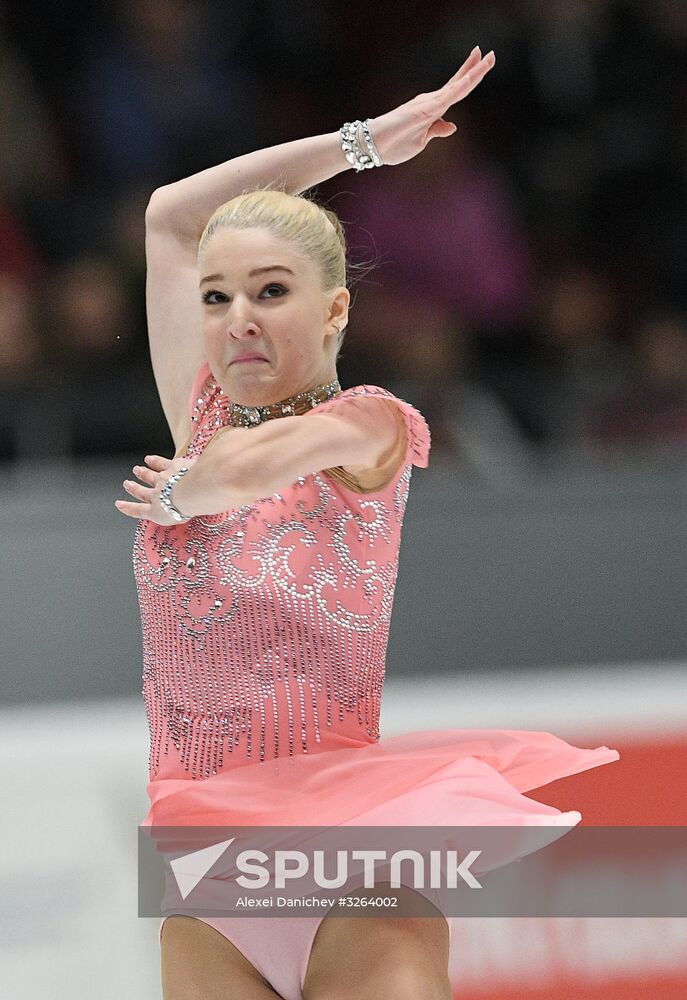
(444, 777)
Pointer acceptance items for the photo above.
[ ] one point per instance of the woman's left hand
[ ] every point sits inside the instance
(404, 132)
(155, 477)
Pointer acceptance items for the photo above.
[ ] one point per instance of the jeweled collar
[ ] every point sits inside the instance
(250, 416)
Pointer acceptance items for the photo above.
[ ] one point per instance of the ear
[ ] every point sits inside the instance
(337, 314)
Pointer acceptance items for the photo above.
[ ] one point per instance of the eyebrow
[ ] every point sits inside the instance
(256, 270)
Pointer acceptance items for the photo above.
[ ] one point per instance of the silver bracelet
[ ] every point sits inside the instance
(369, 141)
(353, 148)
(166, 496)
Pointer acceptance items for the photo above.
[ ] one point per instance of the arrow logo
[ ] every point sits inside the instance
(189, 869)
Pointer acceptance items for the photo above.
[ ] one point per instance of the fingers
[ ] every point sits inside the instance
(147, 475)
(471, 60)
(135, 489)
(466, 79)
(157, 462)
(473, 73)
(133, 509)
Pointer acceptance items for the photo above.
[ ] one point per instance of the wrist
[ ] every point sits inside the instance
(185, 495)
(313, 161)
(358, 145)
(168, 500)
(204, 489)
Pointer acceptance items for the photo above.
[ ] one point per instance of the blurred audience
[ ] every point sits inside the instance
(30, 153)
(650, 408)
(580, 362)
(20, 346)
(157, 97)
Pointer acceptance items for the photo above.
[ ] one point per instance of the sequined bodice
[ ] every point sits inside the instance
(265, 628)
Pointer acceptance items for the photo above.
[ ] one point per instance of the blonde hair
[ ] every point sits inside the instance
(313, 229)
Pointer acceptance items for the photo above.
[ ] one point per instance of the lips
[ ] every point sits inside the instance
(248, 357)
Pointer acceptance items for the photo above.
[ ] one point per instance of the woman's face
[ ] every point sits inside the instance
(281, 315)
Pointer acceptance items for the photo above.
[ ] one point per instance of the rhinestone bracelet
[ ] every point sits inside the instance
(369, 141)
(353, 149)
(166, 496)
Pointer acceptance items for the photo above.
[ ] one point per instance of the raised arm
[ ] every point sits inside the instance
(175, 219)
(185, 205)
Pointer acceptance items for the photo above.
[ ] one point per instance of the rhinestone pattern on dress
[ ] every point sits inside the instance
(265, 628)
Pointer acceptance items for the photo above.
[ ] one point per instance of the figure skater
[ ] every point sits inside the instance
(265, 558)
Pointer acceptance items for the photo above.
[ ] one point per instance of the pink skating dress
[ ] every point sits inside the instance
(265, 632)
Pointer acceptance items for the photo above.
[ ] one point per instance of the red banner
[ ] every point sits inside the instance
(589, 958)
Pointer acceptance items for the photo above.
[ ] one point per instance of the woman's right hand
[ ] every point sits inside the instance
(404, 132)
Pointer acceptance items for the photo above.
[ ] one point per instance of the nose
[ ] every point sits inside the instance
(238, 330)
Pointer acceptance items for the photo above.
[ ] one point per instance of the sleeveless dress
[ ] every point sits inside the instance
(265, 632)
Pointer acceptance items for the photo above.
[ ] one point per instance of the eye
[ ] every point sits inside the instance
(207, 295)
